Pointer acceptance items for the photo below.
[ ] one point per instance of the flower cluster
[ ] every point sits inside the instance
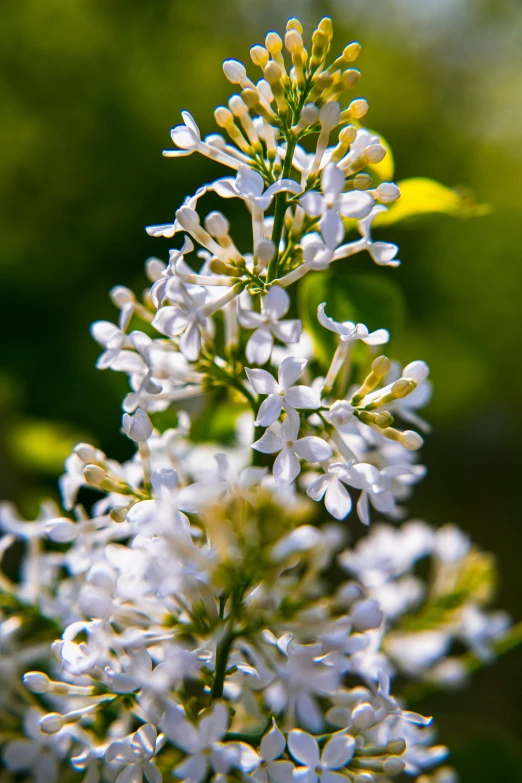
(193, 626)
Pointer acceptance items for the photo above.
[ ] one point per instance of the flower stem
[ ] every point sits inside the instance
(279, 211)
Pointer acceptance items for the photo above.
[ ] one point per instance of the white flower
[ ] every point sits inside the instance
(333, 205)
(282, 393)
(250, 186)
(383, 253)
(348, 331)
(286, 465)
(137, 427)
(184, 320)
(201, 743)
(271, 766)
(136, 754)
(267, 325)
(303, 677)
(336, 754)
(373, 483)
(37, 752)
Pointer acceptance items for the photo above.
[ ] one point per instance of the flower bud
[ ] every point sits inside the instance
(326, 26)
(396, 746)
(365, 615)
(137, 427)
(61, 530)
(348, 134)
(94, 475)
(36, 682)
(259, 56)
(340, 413)
(293, 41)
(120, 295)
(294, 24)
(393, 766)
(235, 72)
(374, 153)
(411, 440)
(52, 723)
(362, 182)
(387, 192)
(363, 716)
(358, 108)
(274, 44)
(265, 250)
(118, 513)
(381, 366)
(188, 218)
(403, 387)
(220, 267)
(350, 78)
(352, 52)
(216, 224)
(223, 117)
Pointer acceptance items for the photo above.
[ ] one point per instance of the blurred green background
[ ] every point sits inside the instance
(90, 90)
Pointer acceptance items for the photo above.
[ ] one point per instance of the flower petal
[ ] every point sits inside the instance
(313, 449)
(262, 381)
(338, 751)
(269, 443)
(259, 346)
(269, 410)
(303, 747)
(289, 370)
(276, 303)
(286, 466)
(303, 397)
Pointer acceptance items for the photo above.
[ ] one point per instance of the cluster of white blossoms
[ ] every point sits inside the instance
(200, 623)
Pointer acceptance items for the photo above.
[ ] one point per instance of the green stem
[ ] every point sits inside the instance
(279, 211)
(222, 653)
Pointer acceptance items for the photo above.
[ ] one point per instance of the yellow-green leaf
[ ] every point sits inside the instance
(41, 446)
(423, 196)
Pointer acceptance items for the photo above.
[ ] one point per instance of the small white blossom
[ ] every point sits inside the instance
(268, 324)
(282, 393)
(290, 447)
(348, 331)
(317, 765)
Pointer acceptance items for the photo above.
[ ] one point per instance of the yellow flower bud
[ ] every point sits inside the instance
(259, 56)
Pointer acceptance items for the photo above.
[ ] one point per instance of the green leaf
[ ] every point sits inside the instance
(423, 196)
(369, 298)
(41, 446)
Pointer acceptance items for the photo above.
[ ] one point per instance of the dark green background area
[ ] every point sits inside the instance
(90, 89)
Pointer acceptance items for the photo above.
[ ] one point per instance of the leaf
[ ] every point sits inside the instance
(369, 298)
(423, 196)
(42, 446)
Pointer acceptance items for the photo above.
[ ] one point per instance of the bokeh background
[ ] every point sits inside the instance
(90, 90)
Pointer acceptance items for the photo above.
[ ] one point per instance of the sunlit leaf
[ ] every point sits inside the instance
(41, 446)
(423, 196)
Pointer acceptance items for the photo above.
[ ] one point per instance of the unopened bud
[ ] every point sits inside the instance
(381, 366)
(265, 250)
(352, 52)
(52, 723)
(86, 452)
(340, 413)
(362, 182)
(235, 71)
(396, 746)
(387, 192)
(350, 78)
(374, 153)
(121, 295)
(273, 72)
(393, 766)
(326, 26)
(137, 427)
(119, 513)
(411, 440)
(294, 24)
(61, 530)
(357, 108)
(188, 218)
(36, 682)
(293, 41)
(223, 116)
(363, 716)
(220, 267)
(348, 134)
(94, 475)
(259, 56)
(403, 387)
(216, 224)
